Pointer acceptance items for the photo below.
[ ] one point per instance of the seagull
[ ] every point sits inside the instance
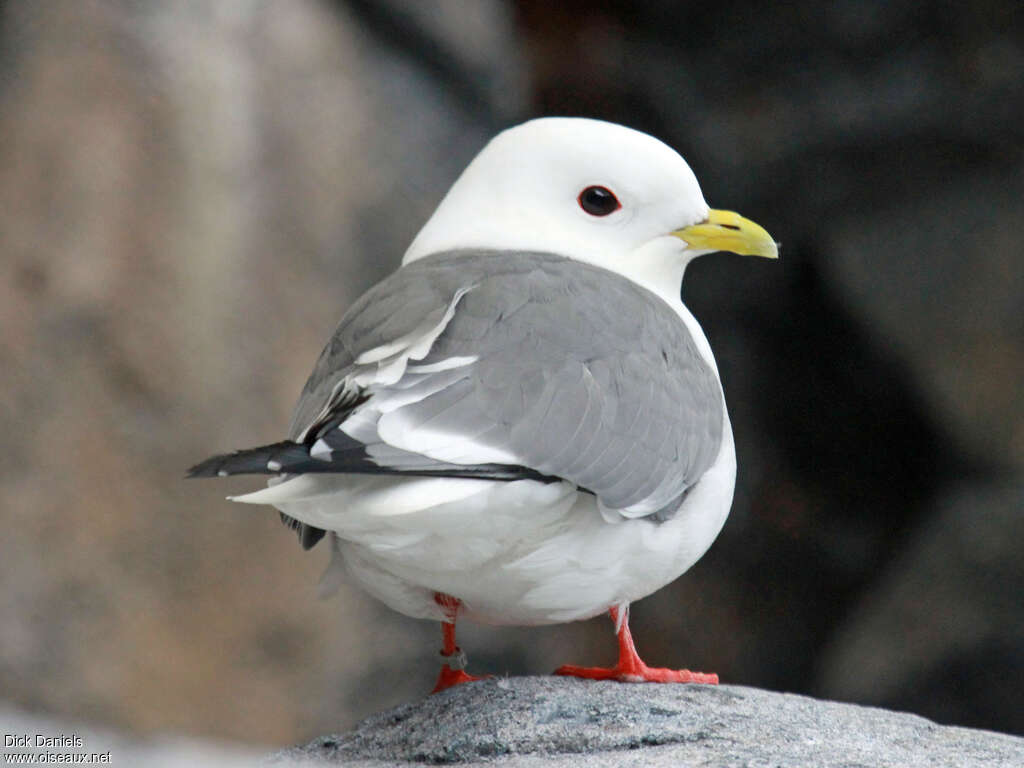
(523, 424)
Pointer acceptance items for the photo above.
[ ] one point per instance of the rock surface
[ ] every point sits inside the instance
(555, 721)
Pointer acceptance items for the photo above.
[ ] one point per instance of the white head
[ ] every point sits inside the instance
(590, 190)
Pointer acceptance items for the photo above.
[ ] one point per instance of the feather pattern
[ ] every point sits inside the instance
(529, 360)
(507, 366)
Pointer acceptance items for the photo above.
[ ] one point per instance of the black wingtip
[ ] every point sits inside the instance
(308, 534)
(270, 459)
(208, 468)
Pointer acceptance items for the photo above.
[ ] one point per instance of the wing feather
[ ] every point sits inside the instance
(511, 365)
(537, 361)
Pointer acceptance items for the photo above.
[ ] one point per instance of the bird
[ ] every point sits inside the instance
(523, 424)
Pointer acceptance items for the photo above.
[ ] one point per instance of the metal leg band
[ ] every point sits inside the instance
(456, 660)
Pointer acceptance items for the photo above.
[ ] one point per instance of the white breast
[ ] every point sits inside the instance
(521, 552)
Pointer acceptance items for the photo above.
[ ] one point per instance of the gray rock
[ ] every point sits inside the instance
(559, 721)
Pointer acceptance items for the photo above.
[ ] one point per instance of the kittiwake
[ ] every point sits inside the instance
(523, 424)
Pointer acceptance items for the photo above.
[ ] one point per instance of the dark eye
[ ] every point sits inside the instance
(598, 201)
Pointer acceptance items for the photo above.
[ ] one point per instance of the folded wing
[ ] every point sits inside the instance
(508, 366)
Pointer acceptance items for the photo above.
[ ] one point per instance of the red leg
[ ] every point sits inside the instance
(631, 668)
(452, 671)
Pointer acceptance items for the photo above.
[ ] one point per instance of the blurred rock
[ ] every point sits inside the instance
(882, 356)
(946, 296)
(124, 749)
(190, 196)
(562, 722)
(943, 634)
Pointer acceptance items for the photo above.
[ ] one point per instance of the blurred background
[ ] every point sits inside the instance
(192, 193)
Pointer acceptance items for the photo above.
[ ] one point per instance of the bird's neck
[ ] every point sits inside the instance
(660, 267)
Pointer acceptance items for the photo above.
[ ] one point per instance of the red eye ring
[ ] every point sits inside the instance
(598, 201)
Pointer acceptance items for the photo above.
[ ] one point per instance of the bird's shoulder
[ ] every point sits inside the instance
(559, 299)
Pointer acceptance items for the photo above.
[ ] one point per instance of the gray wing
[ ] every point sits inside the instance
(513, 361)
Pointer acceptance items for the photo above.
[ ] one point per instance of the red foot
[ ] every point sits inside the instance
(450, 677)
(641, 674)
(449, 650)
(631, 668)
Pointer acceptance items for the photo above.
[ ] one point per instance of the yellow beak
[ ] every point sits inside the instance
(728, 231)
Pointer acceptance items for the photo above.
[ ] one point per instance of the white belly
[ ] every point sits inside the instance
(518, 552)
